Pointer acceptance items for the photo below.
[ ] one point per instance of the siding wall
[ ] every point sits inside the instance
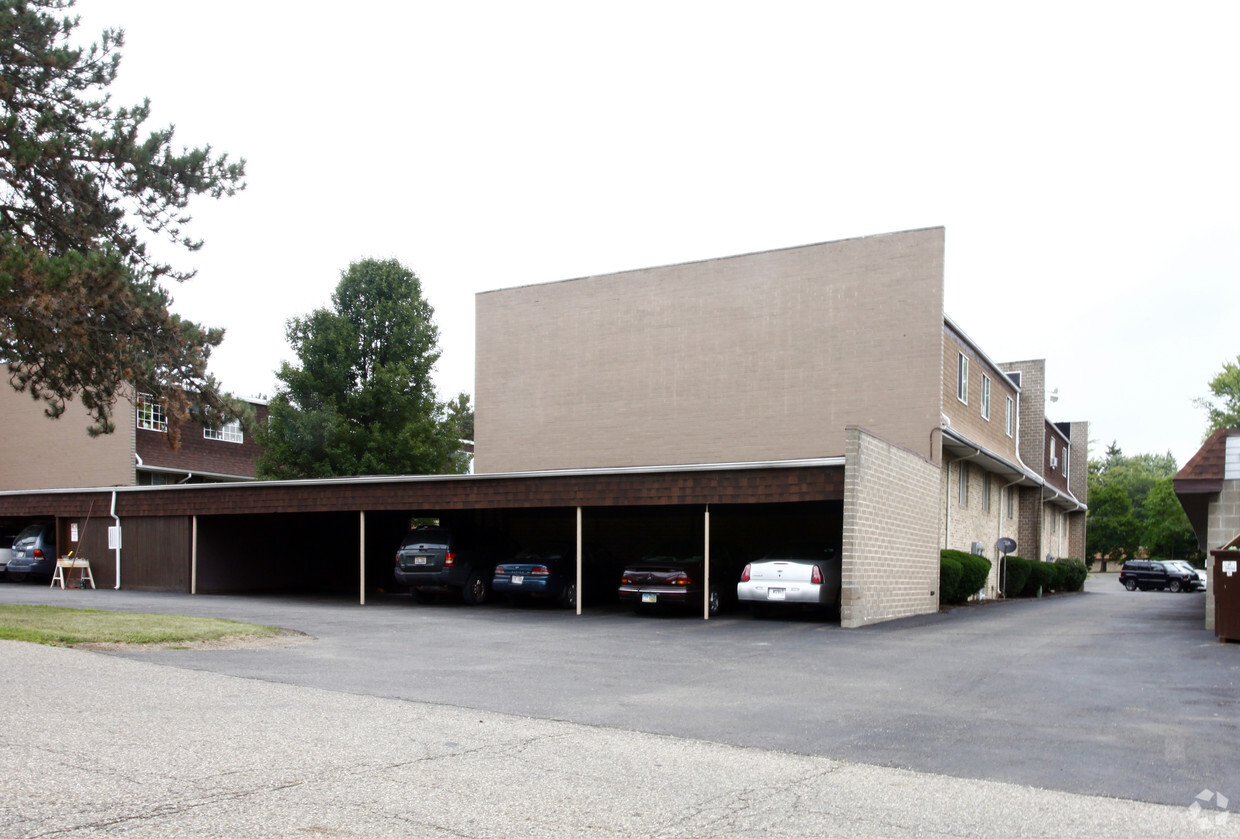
(967, 419)
(759, 357)
(891, 521)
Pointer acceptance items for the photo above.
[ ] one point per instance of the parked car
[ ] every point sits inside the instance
(675, 575)
(549, 571)
(433, 558)
(794, 576)
(1146, 574)
(1201, 574)
(6, 551)
(34, 553)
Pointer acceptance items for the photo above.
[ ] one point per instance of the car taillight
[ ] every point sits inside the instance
(681, 579)
(626, 580)
(449, 559)
(499, 569)
(38, 553)
(745, 575)
(816, 576)
(540, 571)
(396, 559)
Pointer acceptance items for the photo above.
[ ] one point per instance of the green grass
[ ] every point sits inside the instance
(60, 627)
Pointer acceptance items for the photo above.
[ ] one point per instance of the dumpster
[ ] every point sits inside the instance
(1225, 582)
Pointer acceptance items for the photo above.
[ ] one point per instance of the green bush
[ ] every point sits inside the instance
(1075, 573)
(1041, 575)
(950, 573)
(1016, 571)
(973, 573)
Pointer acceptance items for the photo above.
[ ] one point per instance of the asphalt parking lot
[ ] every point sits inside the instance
(1106, 693)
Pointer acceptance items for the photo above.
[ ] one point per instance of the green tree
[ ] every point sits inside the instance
(1111, 529)
(1168, 532)
(83, 313)
(462, 415)
(1223, 411)
(361, 400)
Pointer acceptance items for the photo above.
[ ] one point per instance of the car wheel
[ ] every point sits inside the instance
(1131, 585)
(1174, 585)
(422, 597)
(714, 602)
(476, 590)
(568, 597)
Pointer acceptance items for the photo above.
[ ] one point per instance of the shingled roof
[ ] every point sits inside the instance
(1200, 478)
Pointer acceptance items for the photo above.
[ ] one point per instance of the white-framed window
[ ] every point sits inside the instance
(1054, 459)
(1011, 417)
(985, 397)
(962, 378)
(1063, 461)
(985, 492)
(962, 487)
(229, 432)
(151, 414)
(1011, 502)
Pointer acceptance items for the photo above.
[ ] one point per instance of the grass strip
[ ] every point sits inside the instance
(60, 627)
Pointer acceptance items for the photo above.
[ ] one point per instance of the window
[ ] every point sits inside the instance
(962, 379)
(151, 414)
(1011, 495)
(985, 492)
(1011, 417)
(962, 490)
(985, 396)
(1054, 459)
(1055, 522)
(229, 432)
(1063, 461)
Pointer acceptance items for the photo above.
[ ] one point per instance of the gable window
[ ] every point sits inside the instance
(229, 432)
(962, 378)
(962, 489)
(985, 396)
(151, 414)
(1010, 417)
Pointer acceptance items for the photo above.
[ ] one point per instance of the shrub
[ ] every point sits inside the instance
(973, 573)
(1042, 575)
(950, 573)
(1016, 571)
(1075, 573)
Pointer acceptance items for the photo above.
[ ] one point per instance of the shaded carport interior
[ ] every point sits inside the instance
(305, 536)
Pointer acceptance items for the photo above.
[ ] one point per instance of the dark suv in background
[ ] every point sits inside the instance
(1146, 574)
(435, 558)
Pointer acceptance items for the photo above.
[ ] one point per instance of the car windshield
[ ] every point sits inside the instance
(547, 552)
(28, 537)
(428, 536)
(664, 555)
(802, 550)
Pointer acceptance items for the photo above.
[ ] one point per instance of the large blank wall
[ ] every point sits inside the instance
(760, 357)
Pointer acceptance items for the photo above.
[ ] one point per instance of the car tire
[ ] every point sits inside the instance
(715, 604)
(1131, 585)
(477, 590)
(568, 596)
(1175, 586)
(421, 597)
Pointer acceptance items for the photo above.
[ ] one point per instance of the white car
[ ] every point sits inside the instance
(1201, 574)
(6, 551)
(796, 575)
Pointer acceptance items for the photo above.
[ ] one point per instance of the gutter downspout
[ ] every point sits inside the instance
(117, 519)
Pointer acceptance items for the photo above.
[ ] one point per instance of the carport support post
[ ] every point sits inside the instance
(706, 565)
(193, 556)
(361, 557)
(579, 546)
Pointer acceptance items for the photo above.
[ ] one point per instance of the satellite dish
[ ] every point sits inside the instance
(1006, 545)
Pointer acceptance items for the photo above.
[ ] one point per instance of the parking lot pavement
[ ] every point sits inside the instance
(102, 746)
(1108, 693)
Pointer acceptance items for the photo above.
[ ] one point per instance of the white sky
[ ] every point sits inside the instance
(1081, 156)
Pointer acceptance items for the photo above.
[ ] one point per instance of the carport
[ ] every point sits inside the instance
(339, 535)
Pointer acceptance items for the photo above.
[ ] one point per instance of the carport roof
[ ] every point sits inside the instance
(720, 483)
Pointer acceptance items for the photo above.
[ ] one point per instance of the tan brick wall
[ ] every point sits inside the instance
(962, 525)
(42, 453)
(891, 521)
(1032, 411)
(967, 419)
(1222, 526)
(758, 357)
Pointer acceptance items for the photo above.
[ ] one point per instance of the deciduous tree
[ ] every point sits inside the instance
(1223, 410)
(83, 309)
(361, 401)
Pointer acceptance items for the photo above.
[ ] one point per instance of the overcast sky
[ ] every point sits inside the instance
(1081, 156)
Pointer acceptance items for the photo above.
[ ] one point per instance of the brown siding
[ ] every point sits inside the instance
(759, 357)
(198, 454)
(967, 419)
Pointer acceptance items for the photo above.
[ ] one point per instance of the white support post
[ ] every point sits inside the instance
(706, 565)
(361, 557)
(193, 556)
(579, 547)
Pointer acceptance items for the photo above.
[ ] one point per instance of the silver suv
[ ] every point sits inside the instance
(34, 553)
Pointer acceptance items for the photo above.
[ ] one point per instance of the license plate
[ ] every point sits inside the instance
(420, 560)
(650, 597)
(517, 579)
(775, 594)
